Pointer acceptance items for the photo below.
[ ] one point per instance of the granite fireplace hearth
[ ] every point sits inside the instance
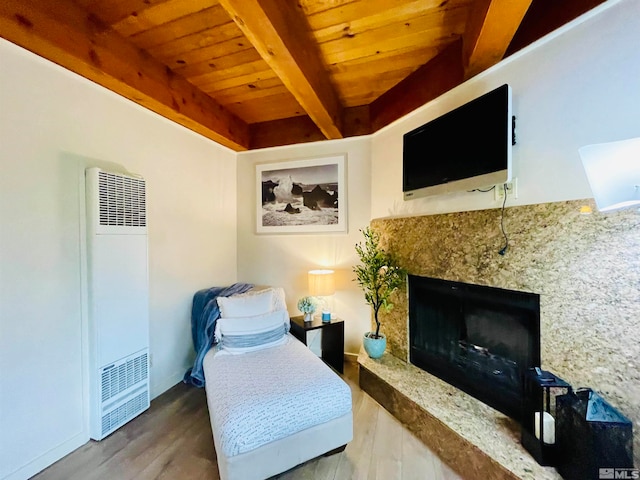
(586, 270)
(475, 440)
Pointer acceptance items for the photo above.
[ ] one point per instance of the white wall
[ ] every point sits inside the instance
(575, 87)
(53, 124)
(284, 260)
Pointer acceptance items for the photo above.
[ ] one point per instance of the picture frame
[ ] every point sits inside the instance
(302, 196)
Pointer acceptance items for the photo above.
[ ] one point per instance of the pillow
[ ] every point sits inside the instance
(279, 302)
(246, 305)
(252, 324)
(248, 334)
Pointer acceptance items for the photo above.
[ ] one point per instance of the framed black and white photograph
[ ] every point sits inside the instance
(302, 196)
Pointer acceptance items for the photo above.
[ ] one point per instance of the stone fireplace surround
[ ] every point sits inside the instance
(586, 269)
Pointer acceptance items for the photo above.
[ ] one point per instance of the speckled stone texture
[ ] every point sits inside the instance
(475, 440)
(586, 269)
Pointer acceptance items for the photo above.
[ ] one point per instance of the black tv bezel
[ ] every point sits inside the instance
(499, 99)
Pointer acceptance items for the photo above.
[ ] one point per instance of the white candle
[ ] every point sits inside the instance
(549, 427)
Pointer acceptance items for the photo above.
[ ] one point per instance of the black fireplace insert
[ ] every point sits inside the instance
(480, 339)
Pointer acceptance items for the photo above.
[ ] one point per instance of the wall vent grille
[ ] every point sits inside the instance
(125, 412)
(117, 378)
(121, 200)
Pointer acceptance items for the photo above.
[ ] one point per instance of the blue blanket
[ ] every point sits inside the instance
(204, 315)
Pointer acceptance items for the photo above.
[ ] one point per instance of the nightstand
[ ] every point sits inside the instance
(332, 338)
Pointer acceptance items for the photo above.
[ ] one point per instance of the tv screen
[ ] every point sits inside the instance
(466, 148)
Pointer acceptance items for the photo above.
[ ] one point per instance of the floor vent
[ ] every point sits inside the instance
(125, 412)
(117, 378)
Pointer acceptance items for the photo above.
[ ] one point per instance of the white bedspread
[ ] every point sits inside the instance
(267, 395)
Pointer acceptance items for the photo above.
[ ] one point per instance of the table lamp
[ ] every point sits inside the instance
(322, 284)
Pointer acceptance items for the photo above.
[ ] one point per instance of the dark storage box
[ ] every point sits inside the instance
(590, 435)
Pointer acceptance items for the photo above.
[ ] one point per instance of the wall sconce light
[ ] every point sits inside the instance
(613, 171)
(322, 284)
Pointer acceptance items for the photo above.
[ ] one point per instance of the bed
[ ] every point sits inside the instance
(273, 404)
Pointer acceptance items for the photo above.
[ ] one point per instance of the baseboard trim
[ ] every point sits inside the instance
(351, 357)
(158, 388)
(48, 458)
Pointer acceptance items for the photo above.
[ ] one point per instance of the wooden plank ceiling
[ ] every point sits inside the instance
(259, 73)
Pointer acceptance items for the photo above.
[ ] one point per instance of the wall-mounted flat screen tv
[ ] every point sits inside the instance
(464, 149)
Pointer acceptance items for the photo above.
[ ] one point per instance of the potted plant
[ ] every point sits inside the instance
(379, 275)
(307, 305)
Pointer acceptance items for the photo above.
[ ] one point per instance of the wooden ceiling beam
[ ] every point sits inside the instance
(431, 80)
(286, 131)
(543, 17)
(490, 29)
(289, 131)
(278, 30)
(64, 33)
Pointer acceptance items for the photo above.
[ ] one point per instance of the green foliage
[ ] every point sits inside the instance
(307, 304)
(379, 274)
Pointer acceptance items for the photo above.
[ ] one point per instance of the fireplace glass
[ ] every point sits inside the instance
(477, 338)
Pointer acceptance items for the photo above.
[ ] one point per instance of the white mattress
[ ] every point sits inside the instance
(264, 396)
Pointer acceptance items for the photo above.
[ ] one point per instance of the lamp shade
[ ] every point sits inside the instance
(321, 283)
(613, 171)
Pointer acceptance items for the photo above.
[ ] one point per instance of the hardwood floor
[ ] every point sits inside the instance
(172, 440)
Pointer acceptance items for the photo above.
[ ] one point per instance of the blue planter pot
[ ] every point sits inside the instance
(374, 347)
